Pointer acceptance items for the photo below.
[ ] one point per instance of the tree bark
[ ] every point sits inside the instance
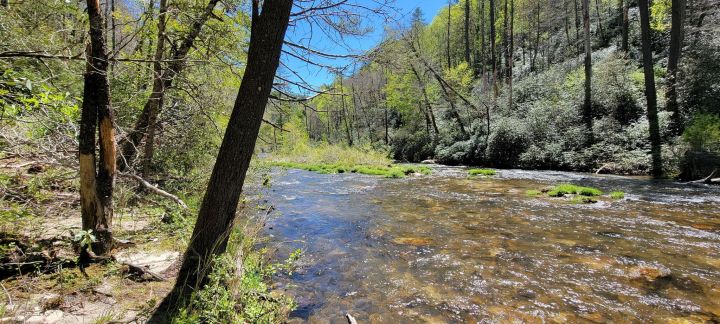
(505, 41)
(217, 211)
(467, 32)
(97, 178)
(161, 83)
(587, 104)
(348, 130)
(493, 50)
(650, 93)
(449, 30)
(577, 27)
(675, 53)
(511, 50)
(625, 25)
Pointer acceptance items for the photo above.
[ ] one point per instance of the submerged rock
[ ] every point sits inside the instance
(417, 241)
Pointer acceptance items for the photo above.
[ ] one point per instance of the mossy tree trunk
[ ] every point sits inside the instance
(650, 92)
(97, 178)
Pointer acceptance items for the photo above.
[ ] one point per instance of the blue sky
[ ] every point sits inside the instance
(354, 45)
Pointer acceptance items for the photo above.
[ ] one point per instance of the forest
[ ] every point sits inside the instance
(181, 161)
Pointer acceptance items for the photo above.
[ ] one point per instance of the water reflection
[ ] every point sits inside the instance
(446, 248)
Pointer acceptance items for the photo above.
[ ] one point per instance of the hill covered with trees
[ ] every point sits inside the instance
(565, 85)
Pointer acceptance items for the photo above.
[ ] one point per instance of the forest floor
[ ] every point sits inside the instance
(39, 215)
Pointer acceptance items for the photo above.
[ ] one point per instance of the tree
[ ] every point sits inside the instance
(587, 104)
(217, 211)
(625, 7)
(147, 121)
(677, 34)
(467, 32)
(492, 47)
(650, 93)
(449, 32)
(97, 178)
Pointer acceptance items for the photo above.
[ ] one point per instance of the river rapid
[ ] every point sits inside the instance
(450, 248)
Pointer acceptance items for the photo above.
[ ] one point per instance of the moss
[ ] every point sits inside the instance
(389, 171)
(583, 200)
(482, 172)
(617, 195)
(533, 193)
(569, 189)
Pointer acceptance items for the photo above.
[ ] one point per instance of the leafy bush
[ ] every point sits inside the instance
(482, 172)
(507, 142)
(412, 146)
(704, 133)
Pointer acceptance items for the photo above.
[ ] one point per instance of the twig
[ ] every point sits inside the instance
(351, 319)
(155, 189)
(10, 301)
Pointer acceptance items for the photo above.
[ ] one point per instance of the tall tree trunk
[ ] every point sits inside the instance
(425, 99)
(567, 27)
(587, 104)
(505, 41)
(449, 28)
(483, 50)
(650, 93)
(577, 27)
(97, 178)
(677, 34)
(348, 131)
(161, 82)
(599, 18)
(511, 51)
(467, 32)
(625, 25)
(158, 83)
(217, 211)
(493, 50)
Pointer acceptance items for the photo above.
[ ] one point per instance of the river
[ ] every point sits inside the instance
(449, 248)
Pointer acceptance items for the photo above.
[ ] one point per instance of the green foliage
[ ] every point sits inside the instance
(482, 172)
(617, 195)
(390, 171)
(533, 193)
(704, 133)
(84, 239)
(570, 189)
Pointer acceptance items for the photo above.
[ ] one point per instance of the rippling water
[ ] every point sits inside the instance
(448, 248)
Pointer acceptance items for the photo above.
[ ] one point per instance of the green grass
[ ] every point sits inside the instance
(569, 189)
(533, 193)
(583, 200)
(482, 172)
(617, 195)
(388, 171)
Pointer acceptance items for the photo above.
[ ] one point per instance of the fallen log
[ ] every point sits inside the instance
(155, 189)
(709, 179)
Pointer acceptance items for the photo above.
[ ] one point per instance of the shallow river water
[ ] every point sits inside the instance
(448, 248)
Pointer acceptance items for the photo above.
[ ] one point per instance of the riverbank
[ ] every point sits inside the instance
(43, 283)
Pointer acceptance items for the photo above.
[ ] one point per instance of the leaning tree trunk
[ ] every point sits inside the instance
(161, 82)
(676, 41)
(217, 212)
(159, 85)
(650, 93)
(587, 104)
(97, 179)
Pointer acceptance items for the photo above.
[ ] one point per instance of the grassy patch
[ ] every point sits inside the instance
(482, 172)
(389, 171)
(617, 195)
(533, 193)
(583, 200)
(569, 189)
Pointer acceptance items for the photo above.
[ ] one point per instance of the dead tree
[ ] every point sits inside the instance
(97, 178)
